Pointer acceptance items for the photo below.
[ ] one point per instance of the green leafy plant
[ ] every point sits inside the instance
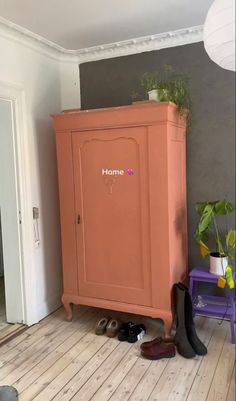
(225, 241)
(171, 87)
(150, 81)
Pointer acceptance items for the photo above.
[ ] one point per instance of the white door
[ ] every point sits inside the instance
(10, 214)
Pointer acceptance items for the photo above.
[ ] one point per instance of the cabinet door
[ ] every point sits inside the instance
(111, 191)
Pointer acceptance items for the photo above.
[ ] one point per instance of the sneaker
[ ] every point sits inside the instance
(136, 333)
(124, 331)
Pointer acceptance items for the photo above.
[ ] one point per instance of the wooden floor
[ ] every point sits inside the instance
(57, 360)
(6, 329)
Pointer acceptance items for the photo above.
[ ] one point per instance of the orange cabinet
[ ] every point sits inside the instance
(122, 185)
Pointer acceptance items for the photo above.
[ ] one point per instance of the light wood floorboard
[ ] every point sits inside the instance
(177, 378)
(62, 361)
(223, 373)
(231, 392)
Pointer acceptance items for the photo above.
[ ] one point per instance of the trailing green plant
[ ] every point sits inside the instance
(225, 241)
(171, 87)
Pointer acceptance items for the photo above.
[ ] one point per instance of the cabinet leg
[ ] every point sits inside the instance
(69, 309)
(168, 326)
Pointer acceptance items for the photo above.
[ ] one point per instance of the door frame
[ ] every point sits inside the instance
(16, 95)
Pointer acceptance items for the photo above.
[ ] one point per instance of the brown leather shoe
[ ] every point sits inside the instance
(156, 340)
(158, 351)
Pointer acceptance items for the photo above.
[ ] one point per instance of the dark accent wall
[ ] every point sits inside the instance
(211, 140)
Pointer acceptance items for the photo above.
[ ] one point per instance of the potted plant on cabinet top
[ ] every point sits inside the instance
(168, 86)
(225, 241)
(150, 84)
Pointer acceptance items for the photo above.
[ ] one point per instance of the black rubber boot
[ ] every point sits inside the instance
(193, 338)
(181, 339)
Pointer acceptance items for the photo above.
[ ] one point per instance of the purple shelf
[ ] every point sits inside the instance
(214, 310)
(220, 307)
(215, 306)
(203, 274)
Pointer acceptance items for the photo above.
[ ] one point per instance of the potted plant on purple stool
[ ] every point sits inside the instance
(223, 255)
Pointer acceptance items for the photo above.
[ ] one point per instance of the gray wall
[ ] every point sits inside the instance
(211, 140)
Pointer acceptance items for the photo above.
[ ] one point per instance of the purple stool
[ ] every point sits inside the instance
(211, 305)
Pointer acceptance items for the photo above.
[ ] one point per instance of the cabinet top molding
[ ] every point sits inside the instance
(139, 113)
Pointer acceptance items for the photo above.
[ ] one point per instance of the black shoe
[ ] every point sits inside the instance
(136, 333)
(124, 331)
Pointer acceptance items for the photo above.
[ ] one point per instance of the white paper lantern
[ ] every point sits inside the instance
(219, 33)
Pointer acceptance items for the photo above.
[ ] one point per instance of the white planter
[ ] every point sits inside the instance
(153, 95)
(218, 265)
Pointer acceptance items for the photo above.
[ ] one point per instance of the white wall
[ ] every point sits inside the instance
(70, 84)
(1, 254)
(49, 86)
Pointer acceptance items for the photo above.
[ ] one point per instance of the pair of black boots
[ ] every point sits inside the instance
(186, 340)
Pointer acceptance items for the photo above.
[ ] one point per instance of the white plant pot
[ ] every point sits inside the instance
(218, 265)
(153, 95)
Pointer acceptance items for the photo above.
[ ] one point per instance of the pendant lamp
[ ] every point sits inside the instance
(219, 33)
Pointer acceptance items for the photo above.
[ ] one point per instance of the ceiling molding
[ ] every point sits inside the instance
(36, 42)
(21, 35)
(143, 44)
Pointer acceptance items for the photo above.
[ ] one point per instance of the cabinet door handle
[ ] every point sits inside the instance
(78, 219)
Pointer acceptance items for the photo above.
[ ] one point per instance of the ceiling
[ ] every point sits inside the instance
(78, 24)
